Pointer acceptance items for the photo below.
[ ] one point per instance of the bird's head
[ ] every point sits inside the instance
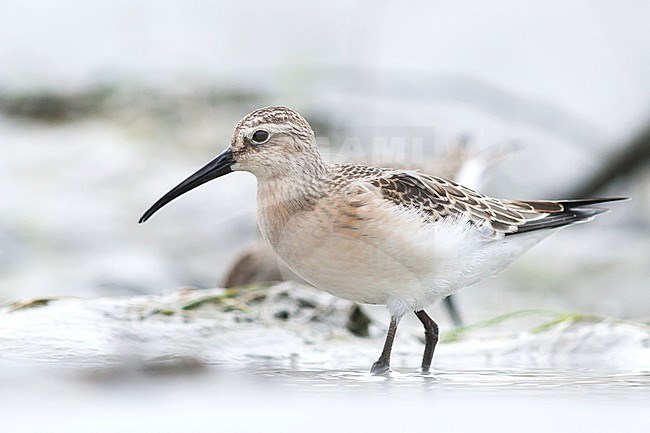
(270, 142)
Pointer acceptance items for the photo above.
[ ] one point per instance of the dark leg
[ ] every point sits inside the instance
(430, 338)
(450, 306)
(383, 363)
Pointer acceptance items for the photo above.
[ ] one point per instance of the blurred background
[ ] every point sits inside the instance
(105, 105)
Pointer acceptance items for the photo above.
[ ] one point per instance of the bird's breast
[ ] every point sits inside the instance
(339, 250)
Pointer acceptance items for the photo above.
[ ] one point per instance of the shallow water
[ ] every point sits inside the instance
(111, 362)
(489, 380)
(271, 398)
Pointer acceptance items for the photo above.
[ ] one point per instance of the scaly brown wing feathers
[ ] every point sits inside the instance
(438, 198)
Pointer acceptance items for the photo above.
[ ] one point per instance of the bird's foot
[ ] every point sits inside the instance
(379, 368)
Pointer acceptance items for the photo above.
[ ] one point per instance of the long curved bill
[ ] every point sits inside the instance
(218, 167)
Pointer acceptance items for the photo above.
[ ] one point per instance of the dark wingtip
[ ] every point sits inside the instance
(574, 211)
(572, 204)
(608, 199)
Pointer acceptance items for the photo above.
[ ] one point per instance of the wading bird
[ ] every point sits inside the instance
(375, 235)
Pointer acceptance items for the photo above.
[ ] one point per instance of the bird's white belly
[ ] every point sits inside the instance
(351, 269)
(398, 262)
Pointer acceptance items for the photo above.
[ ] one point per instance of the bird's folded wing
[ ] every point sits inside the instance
(436, 198)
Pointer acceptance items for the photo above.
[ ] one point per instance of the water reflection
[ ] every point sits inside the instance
(270, 398)
(536, 380)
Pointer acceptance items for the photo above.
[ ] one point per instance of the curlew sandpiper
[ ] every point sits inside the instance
(373, 235)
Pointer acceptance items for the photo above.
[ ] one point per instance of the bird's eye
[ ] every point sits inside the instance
(260, 136)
